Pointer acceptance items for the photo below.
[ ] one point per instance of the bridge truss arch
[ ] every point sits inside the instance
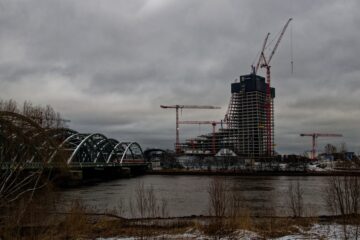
(23, 140)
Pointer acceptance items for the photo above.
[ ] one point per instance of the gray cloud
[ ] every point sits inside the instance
(108, 65)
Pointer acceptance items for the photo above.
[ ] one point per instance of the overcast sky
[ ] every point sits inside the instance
(108, 65)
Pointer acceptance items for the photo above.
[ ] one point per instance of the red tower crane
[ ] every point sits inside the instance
(265, 63)
(177, 107)
(213, 123)
(314, 138)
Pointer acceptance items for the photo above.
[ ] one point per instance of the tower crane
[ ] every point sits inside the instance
(255, 69)
(213, 123)
(177, 107)
(314, 140)
(264, 62)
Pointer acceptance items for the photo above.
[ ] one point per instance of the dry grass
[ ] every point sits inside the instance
(78, 223)
(40, 221)
(28, 219)
(140, 228)
(272, 227)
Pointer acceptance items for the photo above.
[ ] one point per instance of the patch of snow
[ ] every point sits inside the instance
(117, 238)
(325, 231)
(317, 231)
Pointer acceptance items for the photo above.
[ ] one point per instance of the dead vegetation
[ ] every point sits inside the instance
(343, 199)
(295, 199)
(82, 222)
(146, 204)
(229, 218)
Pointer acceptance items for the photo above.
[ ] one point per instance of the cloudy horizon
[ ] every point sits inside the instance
(109, 65)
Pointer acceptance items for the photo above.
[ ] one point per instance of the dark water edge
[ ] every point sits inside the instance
(253, 173)
(187, 195)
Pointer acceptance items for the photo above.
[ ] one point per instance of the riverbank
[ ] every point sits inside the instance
(257, 208)
(86, 225)
(234, 172)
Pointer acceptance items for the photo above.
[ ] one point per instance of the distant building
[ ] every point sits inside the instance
(243, 131)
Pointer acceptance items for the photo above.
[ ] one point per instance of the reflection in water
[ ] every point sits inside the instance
(187, 195)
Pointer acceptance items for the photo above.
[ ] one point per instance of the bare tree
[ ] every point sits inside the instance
(225, 204)
(235, 206)
(46, 117)
(9, 106)
(147, 204)
(132, 210)
(295, 199)
(140, 196)
(21, 142)
(343, 194)
(343, 147)
(217, 197)
(330, 149)
(152, 209)
(342, 197)
(164, 208)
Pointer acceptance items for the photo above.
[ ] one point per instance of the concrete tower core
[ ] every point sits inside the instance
(244, 129)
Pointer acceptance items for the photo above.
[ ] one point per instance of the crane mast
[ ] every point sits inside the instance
(261, 53)
(213, 123)
(265, 63)
(314, 137)
(177, 107)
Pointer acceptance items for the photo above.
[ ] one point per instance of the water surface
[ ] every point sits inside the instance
(188, 195)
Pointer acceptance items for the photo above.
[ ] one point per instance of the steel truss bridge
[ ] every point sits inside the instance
(24, 144)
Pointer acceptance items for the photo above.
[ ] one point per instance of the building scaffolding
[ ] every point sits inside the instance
(244, 132)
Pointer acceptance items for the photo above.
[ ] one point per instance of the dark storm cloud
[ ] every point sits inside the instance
(108, 65)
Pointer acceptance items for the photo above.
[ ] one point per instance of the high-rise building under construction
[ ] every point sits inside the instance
(244, 130)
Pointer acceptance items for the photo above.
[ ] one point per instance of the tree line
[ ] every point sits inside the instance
(45, 116)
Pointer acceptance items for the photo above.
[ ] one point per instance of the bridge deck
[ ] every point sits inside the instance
(74, 165)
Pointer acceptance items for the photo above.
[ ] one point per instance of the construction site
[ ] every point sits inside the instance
(247, 129)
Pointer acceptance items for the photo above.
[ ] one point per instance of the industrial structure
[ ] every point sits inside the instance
(264, 62)
(213, 138)
(245, 133)
(181, 107)
(314, 137)
(25, 143)
(248, 128)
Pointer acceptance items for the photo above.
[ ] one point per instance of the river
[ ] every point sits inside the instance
(188, 195)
